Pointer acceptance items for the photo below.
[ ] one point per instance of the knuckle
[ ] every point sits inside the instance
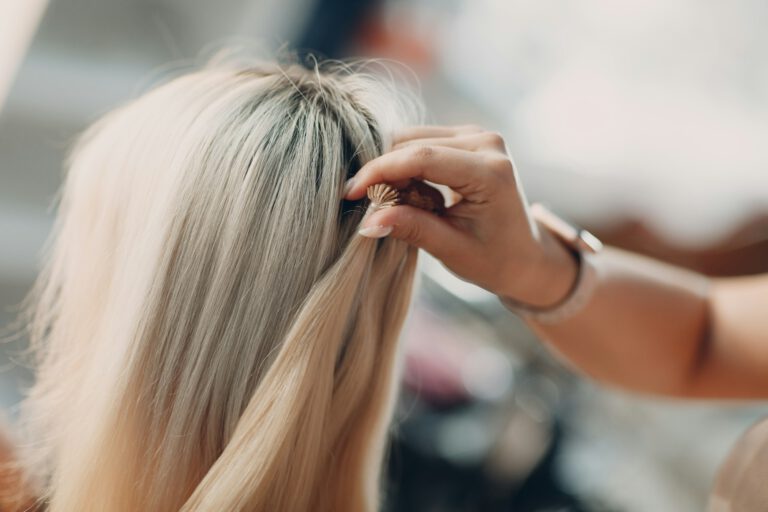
(471, 128)
(410, 231)
(421, 152)
(501, 168)
(412, 235)
(495, 140)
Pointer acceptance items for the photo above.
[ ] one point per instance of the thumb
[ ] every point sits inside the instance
(416, 227)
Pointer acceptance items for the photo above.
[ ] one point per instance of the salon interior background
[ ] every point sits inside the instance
(646, 121)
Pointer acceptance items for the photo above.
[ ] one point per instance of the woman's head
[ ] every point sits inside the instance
(211, 333)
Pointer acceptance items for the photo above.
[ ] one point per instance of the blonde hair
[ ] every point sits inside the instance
(211, 333)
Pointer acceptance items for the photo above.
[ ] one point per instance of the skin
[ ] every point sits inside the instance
(649, 327)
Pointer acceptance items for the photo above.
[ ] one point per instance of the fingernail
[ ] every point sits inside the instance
(375, 231)
(348, 186)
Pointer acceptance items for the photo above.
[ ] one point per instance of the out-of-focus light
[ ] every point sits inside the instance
(653, 110)
(465, 439)
(468, 292)
(487, 374)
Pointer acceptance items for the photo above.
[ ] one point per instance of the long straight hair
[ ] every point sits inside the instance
(210, 332)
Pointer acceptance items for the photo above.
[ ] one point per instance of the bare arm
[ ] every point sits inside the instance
(655, 328)
(649, 327)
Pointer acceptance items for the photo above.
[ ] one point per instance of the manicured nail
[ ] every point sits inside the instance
(375, 231)
(348, 186)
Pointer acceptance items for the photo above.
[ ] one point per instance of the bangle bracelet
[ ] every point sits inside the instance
(585, 248)
(574, 301)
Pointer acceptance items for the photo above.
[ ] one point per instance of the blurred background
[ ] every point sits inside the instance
(647, 122)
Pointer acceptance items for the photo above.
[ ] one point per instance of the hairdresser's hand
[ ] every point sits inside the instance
(488, 238)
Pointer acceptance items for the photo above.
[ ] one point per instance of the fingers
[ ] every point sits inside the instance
(432, 131)
(476, 141)
(416, 227)
(453, 167)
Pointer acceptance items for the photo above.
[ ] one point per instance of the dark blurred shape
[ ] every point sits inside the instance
(477, 427)
(743, 251)
(332, 25)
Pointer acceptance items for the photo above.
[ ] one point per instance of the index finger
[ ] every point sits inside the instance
(410, 133)
(453, 167)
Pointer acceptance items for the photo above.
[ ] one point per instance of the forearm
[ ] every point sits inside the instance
(644, 329)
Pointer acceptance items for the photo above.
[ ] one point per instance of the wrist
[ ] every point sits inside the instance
(556, 236)
(548, 277)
